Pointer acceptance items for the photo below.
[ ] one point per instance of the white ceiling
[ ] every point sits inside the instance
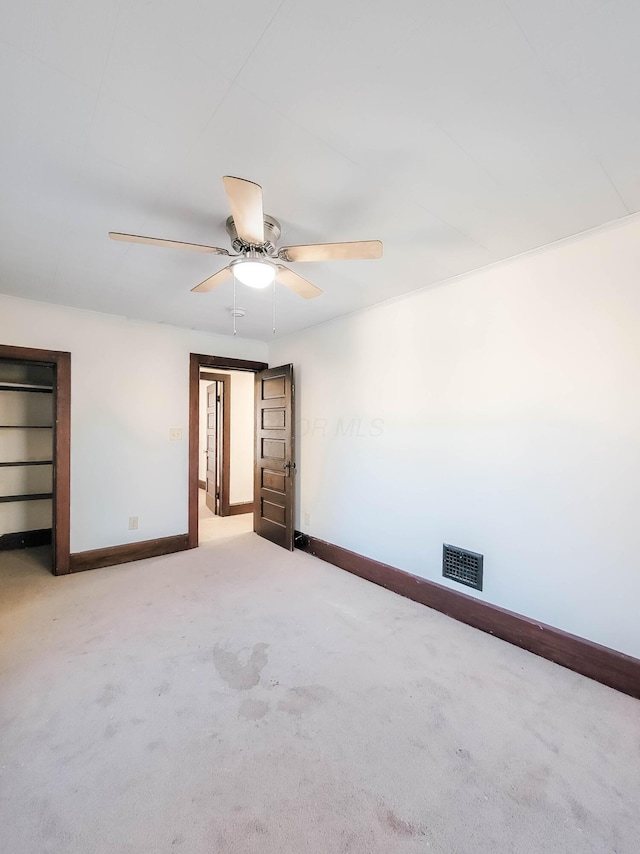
(459, 133)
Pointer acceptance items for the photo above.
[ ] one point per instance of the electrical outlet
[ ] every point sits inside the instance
(307, 518)
(133, 523)
(175, 434)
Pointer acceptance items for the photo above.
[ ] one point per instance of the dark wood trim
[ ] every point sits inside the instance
(196, 361)
(62, 466)
(600, 663)
(225, 486)
(113, 555)
(239, 509)
(25, 539)
(61, 362)
(194, 447)
(202, 484)
(26, 355)
(225, 478)
(229, 364)
(28, 496)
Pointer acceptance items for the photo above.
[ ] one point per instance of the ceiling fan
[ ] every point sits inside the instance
(254, 236)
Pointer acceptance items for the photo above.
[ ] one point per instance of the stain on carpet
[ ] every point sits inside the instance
(580, 813)
(111, 730)
(304, 698)
(109, 695)
(56, 833)
(253, 710)
(237, 675)
(399, 826)
(256, 826)
(548, 743)
(531, 787)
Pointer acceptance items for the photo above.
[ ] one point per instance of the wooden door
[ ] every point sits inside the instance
(213, 468)
(274, 488)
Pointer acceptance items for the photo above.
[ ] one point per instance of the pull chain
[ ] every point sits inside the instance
(274, 307)
(234, 303)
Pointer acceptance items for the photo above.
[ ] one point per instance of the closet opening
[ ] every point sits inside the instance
(34, 455)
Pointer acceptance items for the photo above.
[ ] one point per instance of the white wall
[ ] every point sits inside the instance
(242, 432)
(129, 385)
(499, 412)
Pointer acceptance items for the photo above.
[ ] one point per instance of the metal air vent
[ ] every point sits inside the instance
(462, 566)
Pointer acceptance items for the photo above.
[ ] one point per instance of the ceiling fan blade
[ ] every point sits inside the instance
(296, 283)
(356, 250)
(213, 281)
(245, 199)
(174, 244)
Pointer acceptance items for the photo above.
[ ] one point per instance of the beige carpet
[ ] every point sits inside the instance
(241, 699)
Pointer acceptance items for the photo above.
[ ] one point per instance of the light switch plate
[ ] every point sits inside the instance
(175, 434)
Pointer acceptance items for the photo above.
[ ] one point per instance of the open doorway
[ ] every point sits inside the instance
(225, 465)
(273, 459)
(220, 472)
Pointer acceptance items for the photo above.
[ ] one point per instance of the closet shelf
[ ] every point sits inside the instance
(28, 463)
(37, 496)
(26, 426)
(34, 389)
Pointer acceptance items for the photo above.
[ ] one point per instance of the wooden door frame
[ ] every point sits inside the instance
(225, 475)
(61, 362)
(198, 361)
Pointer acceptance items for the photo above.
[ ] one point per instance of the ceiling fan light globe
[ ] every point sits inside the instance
(255, 274)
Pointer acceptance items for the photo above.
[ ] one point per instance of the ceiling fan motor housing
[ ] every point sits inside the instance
(272, 232)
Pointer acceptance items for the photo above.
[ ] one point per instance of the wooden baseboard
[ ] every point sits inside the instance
(25, 539)
(80, 561)
(600, 663)
(239, 509)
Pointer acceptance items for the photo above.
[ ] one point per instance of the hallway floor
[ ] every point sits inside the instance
(212, 527)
